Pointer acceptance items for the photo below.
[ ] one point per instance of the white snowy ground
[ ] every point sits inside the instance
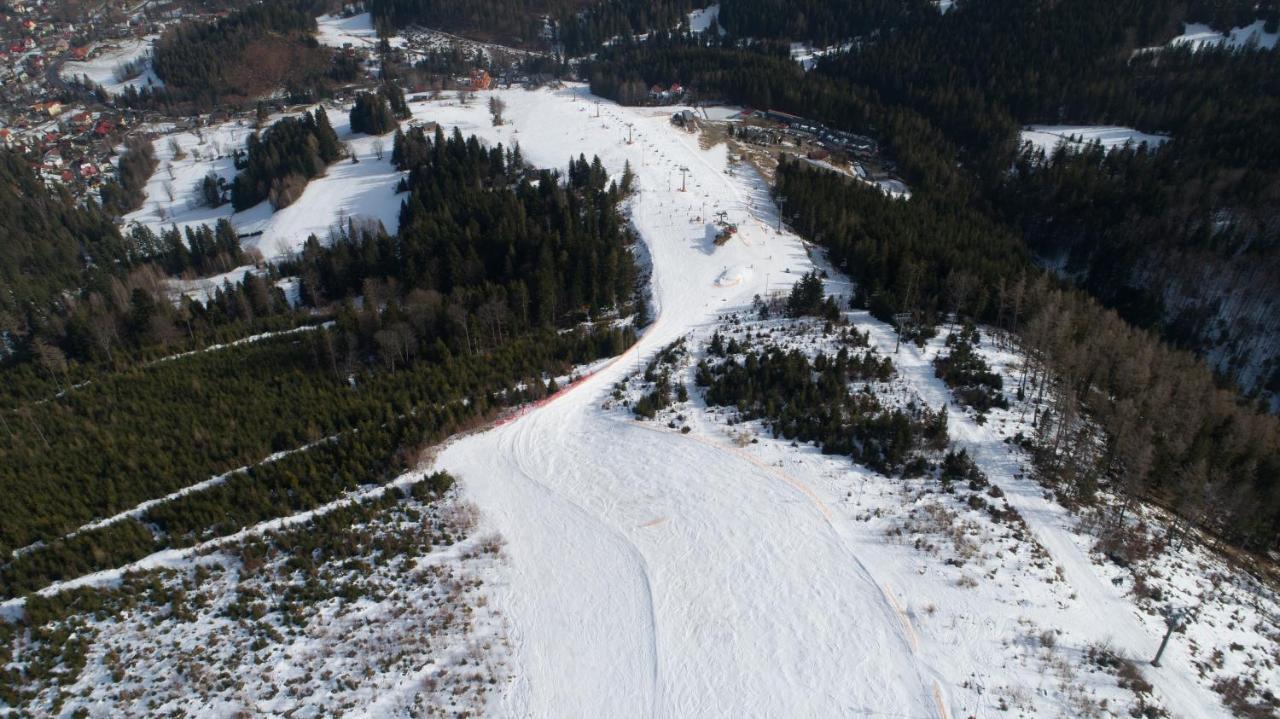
(347, 191)
(107, 60)
(656, 573)
(1199, 36)
(700, 20)
(1077, 137)
(337, 31)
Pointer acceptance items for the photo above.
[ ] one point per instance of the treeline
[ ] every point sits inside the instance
(1168, 433)
(820, 22)
(514, 22)
(201, 250)
(277, 164)
(583, 31)
(524, 249)
(134, 169)
(234, 59)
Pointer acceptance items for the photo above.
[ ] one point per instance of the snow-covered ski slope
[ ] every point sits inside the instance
(654, 574)
(661, 574)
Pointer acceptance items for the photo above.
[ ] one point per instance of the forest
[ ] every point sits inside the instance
(50, 244)
(237, 58)
(498, 275)
(277, 164)
(372, 112)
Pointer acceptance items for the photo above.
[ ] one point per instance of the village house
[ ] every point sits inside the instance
(480, 79)
(52, 108)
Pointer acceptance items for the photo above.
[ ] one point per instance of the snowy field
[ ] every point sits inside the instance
(108, 60)
(1077, 137)
(362, 191)
(700, 20)
(337, 31)
(1199, 36)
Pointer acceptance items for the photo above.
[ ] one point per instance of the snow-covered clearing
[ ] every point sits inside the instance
(654, 572)
(808, 55)
(1078, 137)
(1199, 36)
(108, 62)
(364, 190)
(338, 31)
(700, 20)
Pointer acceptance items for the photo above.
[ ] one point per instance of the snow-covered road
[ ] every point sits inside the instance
(655, 574)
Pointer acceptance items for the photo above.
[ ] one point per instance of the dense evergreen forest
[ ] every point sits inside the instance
(49, 244)
(478, 292)
(237, 58)
(372, 113)
(277, 164)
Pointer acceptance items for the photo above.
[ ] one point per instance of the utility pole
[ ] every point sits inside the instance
(1174, 619)
(782, 202)
(629, 126)
(683, 171)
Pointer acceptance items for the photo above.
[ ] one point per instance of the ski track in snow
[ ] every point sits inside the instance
(660, 574)
(664, 575)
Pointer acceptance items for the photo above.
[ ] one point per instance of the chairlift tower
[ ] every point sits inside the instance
(900, 321)
(1174, 619)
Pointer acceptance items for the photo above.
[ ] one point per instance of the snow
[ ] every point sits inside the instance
(337, 31)
(1077, 137)
(108, 59)
(721, 572)
(203, 289)
(678, 574)
(808, 56)
(700, 20)
(1198, 36)
(369, 633)
(363, 191)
